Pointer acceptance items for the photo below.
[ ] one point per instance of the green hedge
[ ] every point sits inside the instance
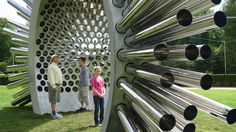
(222, 80)
(3, 79)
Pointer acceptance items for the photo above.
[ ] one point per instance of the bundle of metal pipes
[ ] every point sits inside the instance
(148, 96)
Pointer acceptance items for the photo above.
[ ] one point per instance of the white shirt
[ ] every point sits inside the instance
(54, 75)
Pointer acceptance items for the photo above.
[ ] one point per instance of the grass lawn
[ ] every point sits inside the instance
(22, 118)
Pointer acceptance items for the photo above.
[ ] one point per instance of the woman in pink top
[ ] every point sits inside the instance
(97, 84)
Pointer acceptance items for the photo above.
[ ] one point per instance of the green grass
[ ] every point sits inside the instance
(23, 119)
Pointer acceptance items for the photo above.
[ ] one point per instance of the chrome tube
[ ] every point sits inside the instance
(204, 51)
(20, 42)
(125, 121)
(166, 79)
(164, 120)
(198, 5)
(152, 125)
(22, 31)
(211, 107)
(19, 51)
(23, 16)
(25, 102)
(29, 2)
(118, 3)
(18, 76)
(16, 34)
(20, 93)
(19, 8)
(185, 77)
(181, 20)
(162, 52)
(21, 59)
(18, 25)
(129, 7)
(17, 83)
(20, 99)
(133, 14)
(159, 94)
(20, 67)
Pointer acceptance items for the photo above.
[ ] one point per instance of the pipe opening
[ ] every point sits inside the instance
(220, 19)
(189, 128)
(167, 80)
(190, 112)
(184, 17)
(161, 52)
(206, 82)
(205, 52)
(191, 52)
(231, 116)
(216, 1)
(167, 122)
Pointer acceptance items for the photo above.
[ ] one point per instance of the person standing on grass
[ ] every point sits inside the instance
(54, 85)
(97, 84)
(83, 84)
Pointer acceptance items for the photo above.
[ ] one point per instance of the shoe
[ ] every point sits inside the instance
(100, 125)
(96, 125)
(58, 116)
(80, 109)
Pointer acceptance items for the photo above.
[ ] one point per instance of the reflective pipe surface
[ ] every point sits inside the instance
(23, 16)
(16, 34)
(133, 14)
(20, 67)
(129, 7)
(165, 121)
(118, 3)
(21, 59)
(166, 79)
(159, 94)
(152, 125)
(20, 42)
(204, 51)
(184, 77)
(125, 121)
(22, 31)
(17, 83)
(18, 76)
(28, 100)
(29, 2)
(181, 20)
(218, 110)
(19, 51)
(20, 92)
(19, 8)
(21, 98)
(18, 25)
(199, 5)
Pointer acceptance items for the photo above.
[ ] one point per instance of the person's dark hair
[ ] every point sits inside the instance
(83, 59)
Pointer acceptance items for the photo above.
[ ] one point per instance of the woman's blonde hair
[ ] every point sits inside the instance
(97, 67)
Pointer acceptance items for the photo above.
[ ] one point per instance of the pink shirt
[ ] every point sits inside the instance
(98, 84)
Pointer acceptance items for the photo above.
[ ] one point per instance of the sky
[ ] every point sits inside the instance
(9, 12)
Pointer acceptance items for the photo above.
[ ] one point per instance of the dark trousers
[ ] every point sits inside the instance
(98, 103)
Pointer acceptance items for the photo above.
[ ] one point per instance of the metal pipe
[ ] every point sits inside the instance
(18, 76)
(17, 83)
(25, 102)
(21, 59)
(124, 118)
(137, 10)
(16, 34)
(166, 79)
(29, 2)
(18, 25)
(204, 51)
(20, 92)
(185, 77)
(185, 109)
(22, 31)
(23, 16)
(152, 125)
(19, 51)
(165, 121)
(19, 8)
(20, 99)
(162, 52)
(218, 110)
(181, 20)
(118, 3)
(20, 67)
(129, 7)
(20, 42)
(199, 5)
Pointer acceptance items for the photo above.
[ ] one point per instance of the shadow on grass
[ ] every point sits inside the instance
(20, 119)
